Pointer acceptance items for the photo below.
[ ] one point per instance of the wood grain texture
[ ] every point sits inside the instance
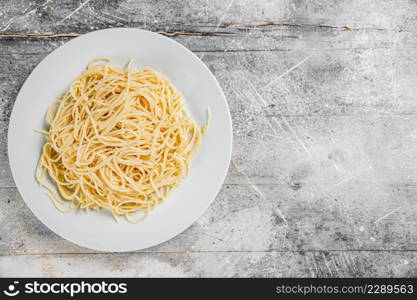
(323, 174)
(214, 264)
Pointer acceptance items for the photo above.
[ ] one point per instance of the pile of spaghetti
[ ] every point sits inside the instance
(119, 140)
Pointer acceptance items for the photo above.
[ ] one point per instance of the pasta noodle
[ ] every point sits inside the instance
(117, 139)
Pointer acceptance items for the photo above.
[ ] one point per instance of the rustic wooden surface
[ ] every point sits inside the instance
(323, 179)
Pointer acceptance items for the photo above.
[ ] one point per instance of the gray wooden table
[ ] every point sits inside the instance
(323, 180)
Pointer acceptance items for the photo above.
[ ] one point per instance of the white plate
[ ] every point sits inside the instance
(98, 230)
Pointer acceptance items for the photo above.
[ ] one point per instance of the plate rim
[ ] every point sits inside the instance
(228, 147)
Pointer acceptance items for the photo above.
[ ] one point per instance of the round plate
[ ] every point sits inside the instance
(97, 229)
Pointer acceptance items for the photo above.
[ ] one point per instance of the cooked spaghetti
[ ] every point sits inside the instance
(117, 139)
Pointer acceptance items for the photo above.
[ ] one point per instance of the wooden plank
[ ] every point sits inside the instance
(298, 82)
(213, 264)
(168, 15)
(266, 38)
(355, 215)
